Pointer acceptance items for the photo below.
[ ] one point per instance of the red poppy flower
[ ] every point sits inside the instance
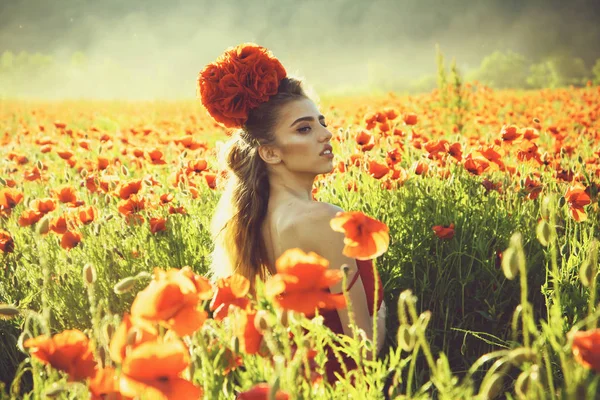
(29, 217)
(132, 205)
(302, 283)
(509, 133)
(7, 245)
(158, 224)
(9, 198)
(70, 239)
(410, 119)
(87, 215)
(104, 385)
(245, 330)
(153, 370)
(365, 237)
(69, 351)
(127, 189)
(44, 206)
(577, 198)
(173, 298)
(130, 334)
(444, 232)
(66, 194)
(378, 170)
(262, 391)
(586, 348)
(232, 290)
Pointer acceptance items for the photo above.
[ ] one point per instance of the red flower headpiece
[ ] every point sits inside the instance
(238, 81)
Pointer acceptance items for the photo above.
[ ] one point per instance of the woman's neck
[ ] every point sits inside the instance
(296, 186)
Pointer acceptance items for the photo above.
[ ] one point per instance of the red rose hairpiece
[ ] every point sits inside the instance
(238, 81)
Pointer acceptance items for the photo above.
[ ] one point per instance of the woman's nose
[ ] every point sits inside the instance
(328, 135)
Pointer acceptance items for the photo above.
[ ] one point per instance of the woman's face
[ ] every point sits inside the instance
(302, 138)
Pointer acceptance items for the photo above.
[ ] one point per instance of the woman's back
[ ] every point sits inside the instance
(288, 221)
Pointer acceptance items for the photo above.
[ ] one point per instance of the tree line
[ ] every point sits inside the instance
(26, 74)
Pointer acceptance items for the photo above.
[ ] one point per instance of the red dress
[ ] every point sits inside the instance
(332, 319)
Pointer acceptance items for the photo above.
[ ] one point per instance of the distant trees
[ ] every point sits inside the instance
(512, 70)
(26, 74)
(596, 72)
(502, 70)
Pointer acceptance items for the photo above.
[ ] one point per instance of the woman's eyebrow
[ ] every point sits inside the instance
(309, 118)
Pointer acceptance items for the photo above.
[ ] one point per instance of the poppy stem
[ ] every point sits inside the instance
(375, 309)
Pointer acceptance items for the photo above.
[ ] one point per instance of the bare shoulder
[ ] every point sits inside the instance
(314, 214)
(313, 230)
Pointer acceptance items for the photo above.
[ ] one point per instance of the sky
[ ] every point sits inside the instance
(332, 44)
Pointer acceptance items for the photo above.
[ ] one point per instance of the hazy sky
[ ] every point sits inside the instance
(335, 42)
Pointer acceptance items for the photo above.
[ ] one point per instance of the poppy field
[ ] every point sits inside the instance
(490, 199)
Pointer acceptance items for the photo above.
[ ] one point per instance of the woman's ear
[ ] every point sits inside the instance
(269, 154)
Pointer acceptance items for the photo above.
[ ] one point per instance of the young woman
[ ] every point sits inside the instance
(281, 144)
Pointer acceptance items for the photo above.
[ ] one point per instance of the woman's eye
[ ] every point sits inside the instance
(304, 129)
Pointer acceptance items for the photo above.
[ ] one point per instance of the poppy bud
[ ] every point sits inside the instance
(587, 273)
(124, 170)
(510, 263)
(543, 232)
(424, 319)
(89, 274)
(345, 270)
(39, 164)
(43, 226)
(561, 201)
(8, 311)
(284, 317)
(83, 173)
(25, 336)
(545, 209)
(132, 336)
(108, 330)
(124, 285)
(404, 300)
(261, 322)
(589, 268)
(406, 337)
(2, 181)
(235, 344)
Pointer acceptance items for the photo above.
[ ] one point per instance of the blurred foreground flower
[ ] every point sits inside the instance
(69, 351)
(365, 237)
(262, 391)
(152, 370)
(586, 348)
(230, 291)
(302, 283)
(173, 298)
